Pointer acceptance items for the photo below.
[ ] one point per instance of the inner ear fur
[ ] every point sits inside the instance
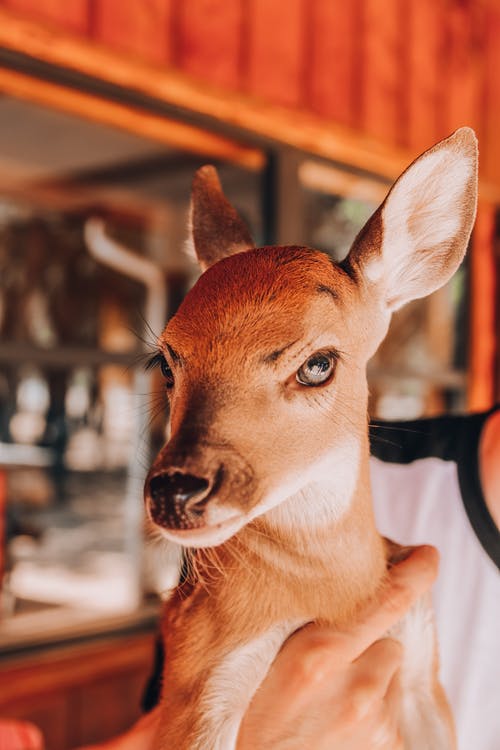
(216, 228)
(417, 238)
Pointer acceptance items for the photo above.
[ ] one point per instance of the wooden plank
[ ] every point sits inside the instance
(3, 524)
(325, 178)
(382, 70)
(125, 117)
(464, 67)
(331, 65)
(276, 47)
(50, 712)
(491, 135)
(109, 706)
(54, 670)
(80, 693)
(136, 27)
(68, 14)
(483, 283)
(304, 130)
(425, 79)
(209, 40)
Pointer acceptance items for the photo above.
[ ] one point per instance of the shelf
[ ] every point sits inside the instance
(58, 625)
(16, 455)
(67, 356)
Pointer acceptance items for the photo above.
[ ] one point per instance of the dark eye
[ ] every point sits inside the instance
(159, 361)
(167, 373)
(317, 369)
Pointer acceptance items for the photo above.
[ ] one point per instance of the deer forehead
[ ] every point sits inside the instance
(255, 303)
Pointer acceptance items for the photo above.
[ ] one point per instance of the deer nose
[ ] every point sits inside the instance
(178, 500)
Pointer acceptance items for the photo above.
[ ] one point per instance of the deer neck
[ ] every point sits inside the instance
(332, 567)
(318, 547)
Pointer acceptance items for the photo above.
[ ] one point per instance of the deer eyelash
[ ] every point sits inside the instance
(155, 361)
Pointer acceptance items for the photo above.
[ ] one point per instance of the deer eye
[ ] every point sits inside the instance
(317, 369)
(159, 361)
(167, 373)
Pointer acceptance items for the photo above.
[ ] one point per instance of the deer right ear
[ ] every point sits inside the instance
(417, 238)
(216, 228)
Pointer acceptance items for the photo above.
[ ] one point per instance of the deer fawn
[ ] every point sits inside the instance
(264, 364)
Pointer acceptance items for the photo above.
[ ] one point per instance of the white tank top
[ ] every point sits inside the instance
(436, 499)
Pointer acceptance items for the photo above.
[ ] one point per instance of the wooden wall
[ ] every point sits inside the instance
(371, 82)
(78, 694)
(405, 72)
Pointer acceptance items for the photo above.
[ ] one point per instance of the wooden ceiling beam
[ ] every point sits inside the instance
(138, 121)
(295, 128)
(301, 130)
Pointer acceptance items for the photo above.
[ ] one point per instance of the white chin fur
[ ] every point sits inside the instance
(317, 495)
(210, 536)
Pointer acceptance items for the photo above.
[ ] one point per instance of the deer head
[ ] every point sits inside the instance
(265, 360)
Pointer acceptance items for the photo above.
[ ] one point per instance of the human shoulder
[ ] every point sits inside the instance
(489, 464)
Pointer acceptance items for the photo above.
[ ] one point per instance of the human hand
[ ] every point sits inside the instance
(339, 689)
(19, 735)
(139, 737)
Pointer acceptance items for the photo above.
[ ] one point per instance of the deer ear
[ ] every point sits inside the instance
(417, 238)
(216, 229)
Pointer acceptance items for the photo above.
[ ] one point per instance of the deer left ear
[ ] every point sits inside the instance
(216, 228)
(417, 238)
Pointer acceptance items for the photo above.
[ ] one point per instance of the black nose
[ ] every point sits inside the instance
(178, 500)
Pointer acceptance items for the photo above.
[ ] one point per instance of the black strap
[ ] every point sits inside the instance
(472, 493)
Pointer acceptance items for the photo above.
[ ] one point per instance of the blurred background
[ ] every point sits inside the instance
(309, 109)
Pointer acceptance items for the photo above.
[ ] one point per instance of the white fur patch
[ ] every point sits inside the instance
(318, 495)
(206, 537)
(162, 564)
(422, 726)
(432, 188)
(232, 685)
(422, 215)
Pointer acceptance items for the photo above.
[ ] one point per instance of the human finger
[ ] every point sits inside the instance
(393, 696)
(406, 582)
(372, 673)
(318, 649)
(386, 714)
(20, 735)
(141, 736)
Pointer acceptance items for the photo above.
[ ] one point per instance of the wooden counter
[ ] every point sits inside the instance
(79, 693)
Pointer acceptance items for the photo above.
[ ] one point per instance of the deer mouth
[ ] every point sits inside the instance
(205, 534)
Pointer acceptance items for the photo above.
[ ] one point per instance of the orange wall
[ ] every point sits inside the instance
(404, 71)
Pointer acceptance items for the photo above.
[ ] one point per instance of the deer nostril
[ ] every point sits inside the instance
(196, 506)
(177, 487)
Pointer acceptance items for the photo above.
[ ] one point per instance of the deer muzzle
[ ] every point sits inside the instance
(207, 488)
(179, 501)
